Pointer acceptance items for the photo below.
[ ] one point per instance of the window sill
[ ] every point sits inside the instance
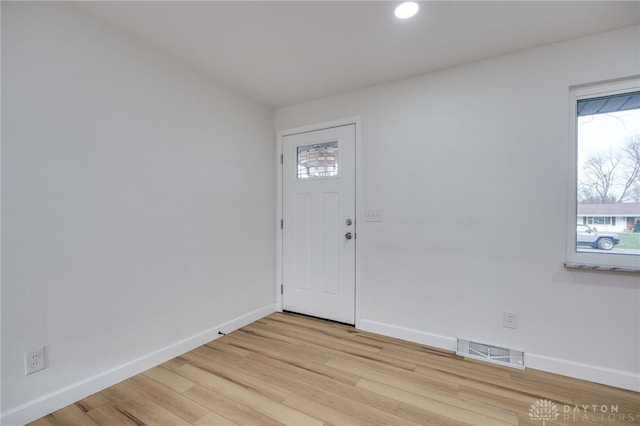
(570, 265)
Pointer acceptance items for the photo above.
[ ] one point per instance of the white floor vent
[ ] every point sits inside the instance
(495, 354)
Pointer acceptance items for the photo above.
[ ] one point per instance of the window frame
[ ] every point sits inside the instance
(574, 258)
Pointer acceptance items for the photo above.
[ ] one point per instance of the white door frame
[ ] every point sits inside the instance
(279, 196)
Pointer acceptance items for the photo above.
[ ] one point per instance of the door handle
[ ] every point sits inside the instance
(348, 235)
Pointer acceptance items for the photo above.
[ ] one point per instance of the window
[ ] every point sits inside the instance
(319, 160)
(605, 171)
(599, 220)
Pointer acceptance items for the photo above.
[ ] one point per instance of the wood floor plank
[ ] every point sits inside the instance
(223, 345)
(424, 416)
(249, 364)
(449, 395)
(511, 385)
(287, 369)
(343, 336)
(335, 348)
(119, 393)
(464, 369)
(146, 412)
(327, 414)
(451, 364)
(287, 337)
(365, 412)
(309, 323)
(213, 377)
(169, 379)
(42, 421)
(255, 400)
(504, 400)
(91, 402)
(228, 408)
(172, 364)
(214, 419)
(71, 415)
(504, 390)
(109, 415)
(255, 343)
(207, 357)
(444, 409)
(325, 383)
(166, 398)
(398, 344)
(399, 378)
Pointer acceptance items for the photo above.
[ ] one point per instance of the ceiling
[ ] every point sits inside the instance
(286, 52)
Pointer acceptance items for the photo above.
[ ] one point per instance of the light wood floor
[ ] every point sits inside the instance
(292, 370)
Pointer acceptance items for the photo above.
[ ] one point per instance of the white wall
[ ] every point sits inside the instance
(137, 206)
(459, 160)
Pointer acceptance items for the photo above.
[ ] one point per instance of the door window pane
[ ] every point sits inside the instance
(318, 160)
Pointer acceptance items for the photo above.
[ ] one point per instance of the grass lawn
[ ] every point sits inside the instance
(629, 241)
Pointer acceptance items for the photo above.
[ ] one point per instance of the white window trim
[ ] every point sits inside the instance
(588, 260)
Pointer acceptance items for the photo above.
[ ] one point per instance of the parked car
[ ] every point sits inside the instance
(587, 236)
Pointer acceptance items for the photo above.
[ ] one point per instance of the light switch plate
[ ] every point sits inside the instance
(510, 319)
(373, 215)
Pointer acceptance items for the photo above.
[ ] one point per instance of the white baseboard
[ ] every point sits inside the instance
(34, 409)
(592, 373)
(409, 334)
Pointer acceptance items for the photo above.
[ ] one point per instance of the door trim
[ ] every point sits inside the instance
(279, 208)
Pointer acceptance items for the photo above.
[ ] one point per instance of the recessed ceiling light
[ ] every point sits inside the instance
(407, 9)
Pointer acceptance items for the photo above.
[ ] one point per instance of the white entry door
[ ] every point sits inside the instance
(319, 230)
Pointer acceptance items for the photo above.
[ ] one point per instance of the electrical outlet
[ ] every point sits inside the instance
(373, 215)
(510, 319)
(34, 361)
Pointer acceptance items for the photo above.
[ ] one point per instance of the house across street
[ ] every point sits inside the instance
(613, 217)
